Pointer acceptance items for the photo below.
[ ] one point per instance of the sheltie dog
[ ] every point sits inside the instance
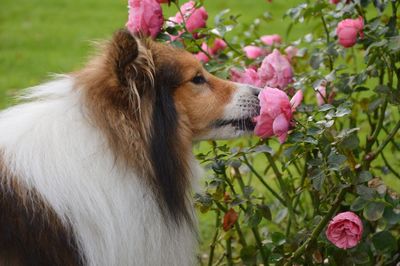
(96, 167)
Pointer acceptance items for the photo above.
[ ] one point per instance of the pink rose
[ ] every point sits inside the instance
(320, 94)
(202, 57)
(194, 18)
(271, 39)
(275, 70)
(145, 17)
(249, 76)
(348, 30)
(291, 52)
(218, 46)
(276, 113)
(345, 230)
(253, 52)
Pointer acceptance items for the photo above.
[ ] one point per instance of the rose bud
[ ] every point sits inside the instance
(271, 39)
(348, 30)
(253, 52)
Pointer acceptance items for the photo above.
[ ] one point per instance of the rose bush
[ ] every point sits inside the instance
(323, 191)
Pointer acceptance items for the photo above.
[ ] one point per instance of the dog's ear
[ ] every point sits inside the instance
(132, 61)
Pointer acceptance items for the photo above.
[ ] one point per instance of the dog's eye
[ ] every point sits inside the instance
(199, 79)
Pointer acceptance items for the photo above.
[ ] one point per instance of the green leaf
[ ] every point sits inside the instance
(316, 60)
(265, 211)
(365, 192)
(364, 176)
(394, 44)
(358, 204)
(278, 238)
(374, 211)
(318, 178)
(384, 242)
(391, 216)
(342, 111)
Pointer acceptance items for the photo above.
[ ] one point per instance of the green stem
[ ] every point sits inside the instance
(321, 225)
(327, 41)
(389, 166)
(372, 155)
(229, 251)
(302, 180)
(215, 237)
(257, 237)
(374, 137)
(260, 178)
(282, 184)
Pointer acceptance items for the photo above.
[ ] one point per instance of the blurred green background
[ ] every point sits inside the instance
(38, 38)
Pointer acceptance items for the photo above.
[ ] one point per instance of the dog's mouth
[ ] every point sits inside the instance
(245, 124)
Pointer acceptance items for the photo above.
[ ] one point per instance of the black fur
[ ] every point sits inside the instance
(169, 166)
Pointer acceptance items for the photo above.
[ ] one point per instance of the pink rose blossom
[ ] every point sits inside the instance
(276, 113)
(345, 230)
(276, 70)
(145, 17)
(322, 98)
(249, 76)
(291, 52)
(195, 18)
(218, 46)
(202, 57)
(253, 52)
(320, 94)
(348, 30)
(271, 39)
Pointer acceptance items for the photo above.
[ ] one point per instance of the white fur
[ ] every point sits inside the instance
(243, 104)
(51, 145)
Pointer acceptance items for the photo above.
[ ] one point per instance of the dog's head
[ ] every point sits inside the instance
(152, 100)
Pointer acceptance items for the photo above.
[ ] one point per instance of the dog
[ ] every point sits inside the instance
(96, 167)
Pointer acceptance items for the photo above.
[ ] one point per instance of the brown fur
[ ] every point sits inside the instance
(124, 89)
(31, 233)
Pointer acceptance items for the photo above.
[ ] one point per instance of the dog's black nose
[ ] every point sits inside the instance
(255, 91)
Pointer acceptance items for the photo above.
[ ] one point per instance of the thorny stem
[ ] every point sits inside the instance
(321, 225)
